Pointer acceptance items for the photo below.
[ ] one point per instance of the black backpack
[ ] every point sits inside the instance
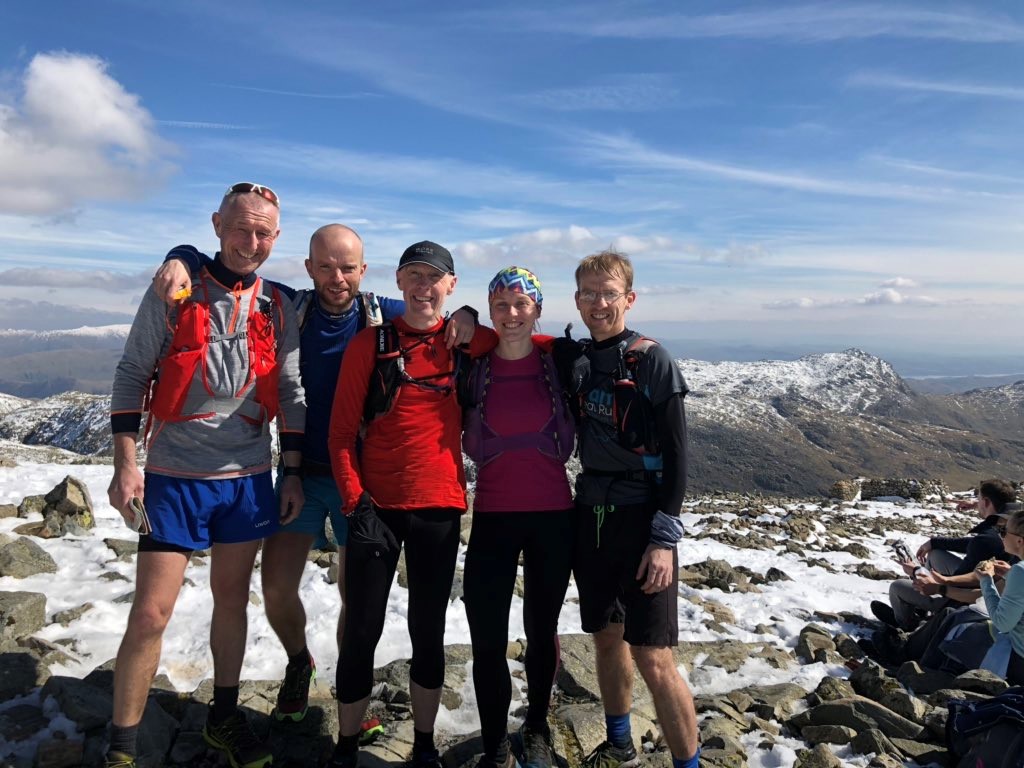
(988, 733)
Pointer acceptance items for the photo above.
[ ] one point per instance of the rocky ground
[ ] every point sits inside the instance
(832, 706)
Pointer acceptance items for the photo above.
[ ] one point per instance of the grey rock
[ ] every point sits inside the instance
(64, 618)
(860, 713)
(869, 571)
(83, 703)
(122, 547)
(718, 758)
(70, 503)
(31, 505)
(8, 510)
(721, 733)
(981, 681)
(833, 688)
(773, 574)
(19, 722)
(718, 574)
(585, 723)
(871, 681)
(920, 752)
(23, 557)
(21, 614)
(20, 672)
(818, 757)
(775, 701)
(813, 643)
(827, 734)
(847, 647)
(923, 681)
(59, 751)
(874, 741)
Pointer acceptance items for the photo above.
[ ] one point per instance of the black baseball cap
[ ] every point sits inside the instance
(429, 253)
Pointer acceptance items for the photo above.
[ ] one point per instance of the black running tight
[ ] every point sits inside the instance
(431, 539)
(545, 540)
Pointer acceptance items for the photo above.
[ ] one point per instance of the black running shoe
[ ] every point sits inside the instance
(607, 755)
(537, 749)
(427, 758)
(293, 697)
(118, 760)
(237, 740)
(884, 613)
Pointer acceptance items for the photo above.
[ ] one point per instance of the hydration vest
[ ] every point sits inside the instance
(371, 314)
(179, 389)
(632, 411)
(389, 374)
(482, 444)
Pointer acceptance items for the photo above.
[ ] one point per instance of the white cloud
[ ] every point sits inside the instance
(899, 282)
(76, 135)
(887, 297)
(48, 277)
(898, 82)
(549, 244)
(801, 23)
(637, 93)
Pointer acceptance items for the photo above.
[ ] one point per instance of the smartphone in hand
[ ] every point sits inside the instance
(140, 520)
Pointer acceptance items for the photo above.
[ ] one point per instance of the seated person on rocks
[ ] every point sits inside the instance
(1006, 607)
(933, 587)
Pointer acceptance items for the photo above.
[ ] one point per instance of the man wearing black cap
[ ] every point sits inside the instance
(405, 486)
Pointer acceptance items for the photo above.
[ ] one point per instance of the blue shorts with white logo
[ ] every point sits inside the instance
(193, 514)
(322, 501)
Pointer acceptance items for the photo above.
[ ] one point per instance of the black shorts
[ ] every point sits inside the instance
(605, 565)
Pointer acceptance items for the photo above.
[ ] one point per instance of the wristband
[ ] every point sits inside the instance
(292, 471)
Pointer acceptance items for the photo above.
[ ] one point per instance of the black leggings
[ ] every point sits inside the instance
(431, 538)
(545, 539)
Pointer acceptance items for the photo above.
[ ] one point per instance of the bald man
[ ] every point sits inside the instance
(329, 316)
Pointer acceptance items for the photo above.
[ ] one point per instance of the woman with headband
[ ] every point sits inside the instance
(518, 429)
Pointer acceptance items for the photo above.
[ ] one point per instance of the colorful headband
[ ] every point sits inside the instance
(517, 280)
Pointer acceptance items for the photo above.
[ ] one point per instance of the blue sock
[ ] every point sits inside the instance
(619, 733)
(693, 762)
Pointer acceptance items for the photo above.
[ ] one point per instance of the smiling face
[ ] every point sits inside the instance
(424, 290)
(247, 226)
(336, 266)
(603, 300)
(513, 315)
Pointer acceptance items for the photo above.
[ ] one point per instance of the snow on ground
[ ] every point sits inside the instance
(785, 605)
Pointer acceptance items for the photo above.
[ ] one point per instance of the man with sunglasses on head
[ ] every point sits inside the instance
(632, 445)
(329, 315)
(226, 361)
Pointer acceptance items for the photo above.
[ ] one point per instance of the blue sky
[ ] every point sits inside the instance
(788, 176)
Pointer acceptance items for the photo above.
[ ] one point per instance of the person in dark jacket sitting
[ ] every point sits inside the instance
(933, 581)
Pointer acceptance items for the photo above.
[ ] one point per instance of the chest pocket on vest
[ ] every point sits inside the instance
(186, 356)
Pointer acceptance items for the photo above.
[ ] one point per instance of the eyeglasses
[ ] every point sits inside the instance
(1003, 532)
(589, 297)
(245, 187)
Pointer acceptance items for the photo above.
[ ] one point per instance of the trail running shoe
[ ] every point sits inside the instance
(293, 696)
(118, 760)
(427, 758)
(537, 751)
(486, 762)
(607, 755)
(237, 740)
(371, 730)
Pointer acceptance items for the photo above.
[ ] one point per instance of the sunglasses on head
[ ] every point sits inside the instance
(245, 187)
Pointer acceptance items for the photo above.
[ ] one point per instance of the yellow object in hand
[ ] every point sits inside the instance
(182, 293)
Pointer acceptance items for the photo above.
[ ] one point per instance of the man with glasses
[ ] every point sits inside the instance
(226, 361)
(632, 444)
(940, 575)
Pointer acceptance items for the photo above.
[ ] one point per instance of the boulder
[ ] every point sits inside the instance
(923, 681)
(813, 644)
(827, 734)
(818, 757)
(20, 672)
(122, 548)
(874, 741)
(860, 714)
(871, 681)
(70, 506)
(23, 557)
(8, 510)
(21, 614)
(31, 505)
(59, 751)
(981, 681)
(845, 490)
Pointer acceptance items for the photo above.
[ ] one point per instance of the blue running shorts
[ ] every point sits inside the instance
(197, 513)
(322, 501)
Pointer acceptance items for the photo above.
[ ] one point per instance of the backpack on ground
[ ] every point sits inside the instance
(988, 733)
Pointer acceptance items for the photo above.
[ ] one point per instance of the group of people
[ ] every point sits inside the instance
(962, 604)
(375, 400)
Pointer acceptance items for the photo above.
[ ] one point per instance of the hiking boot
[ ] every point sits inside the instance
(537, 751)
(118, 760)
(428, 758)
(607, 755)
(293, 697)
(237, 740)
(884, 613)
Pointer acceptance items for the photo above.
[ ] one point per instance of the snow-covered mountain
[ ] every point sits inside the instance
(785, 427)
(44, 363)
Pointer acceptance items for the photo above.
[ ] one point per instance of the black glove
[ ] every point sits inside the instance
(366, 528)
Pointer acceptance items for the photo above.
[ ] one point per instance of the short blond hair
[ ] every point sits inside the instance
(607, 262)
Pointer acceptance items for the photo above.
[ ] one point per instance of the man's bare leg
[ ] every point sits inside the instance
(614, 670)
(284, 559)
(673, 701)
(230, 573)
(158, 578)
